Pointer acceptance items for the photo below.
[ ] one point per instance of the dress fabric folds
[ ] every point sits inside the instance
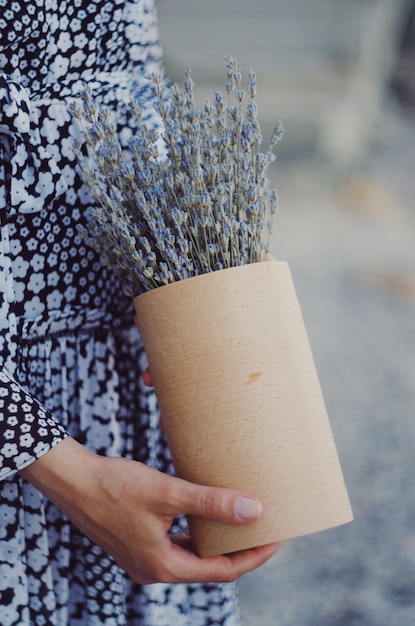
(70, 356)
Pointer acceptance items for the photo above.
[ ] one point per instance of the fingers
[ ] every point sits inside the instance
(170, 496)
(147, 379)
(248, 560)
(245, 561)
(224, 505)
(181, 565)
(185, 566)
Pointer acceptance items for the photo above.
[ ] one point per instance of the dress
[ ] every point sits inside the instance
(70, 356)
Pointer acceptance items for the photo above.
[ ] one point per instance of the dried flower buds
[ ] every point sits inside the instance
(190, 199)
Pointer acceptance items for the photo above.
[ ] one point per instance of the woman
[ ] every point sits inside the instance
(83, 525)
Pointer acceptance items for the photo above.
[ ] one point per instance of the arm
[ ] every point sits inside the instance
(127, 509)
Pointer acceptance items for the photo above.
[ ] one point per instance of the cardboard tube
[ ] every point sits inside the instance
(241, 401)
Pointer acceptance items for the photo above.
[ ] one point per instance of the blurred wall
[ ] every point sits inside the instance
(322, 65)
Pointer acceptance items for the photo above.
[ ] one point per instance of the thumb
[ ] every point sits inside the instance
(220, 504)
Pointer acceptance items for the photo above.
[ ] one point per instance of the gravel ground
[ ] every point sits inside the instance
(350, 244)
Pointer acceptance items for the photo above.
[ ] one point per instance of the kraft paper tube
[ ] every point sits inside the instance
(241, 401)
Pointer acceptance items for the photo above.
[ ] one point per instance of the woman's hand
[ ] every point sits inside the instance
(127, 508)
(147, 379)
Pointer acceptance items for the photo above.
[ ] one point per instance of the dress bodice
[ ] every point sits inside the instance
(50, 50)
(48, 46)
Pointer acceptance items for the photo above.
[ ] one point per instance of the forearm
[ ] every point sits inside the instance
(64, 475)
(73, 478)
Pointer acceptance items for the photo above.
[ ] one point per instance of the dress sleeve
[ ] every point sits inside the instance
(27, 429)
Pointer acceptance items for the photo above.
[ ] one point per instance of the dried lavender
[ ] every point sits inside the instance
(202, 205)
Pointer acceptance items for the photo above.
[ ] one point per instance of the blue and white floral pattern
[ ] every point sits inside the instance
(70, 356)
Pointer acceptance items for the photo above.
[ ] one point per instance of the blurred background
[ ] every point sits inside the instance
(340, 74)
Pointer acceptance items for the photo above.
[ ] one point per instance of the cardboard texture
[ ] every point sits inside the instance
(241, 401)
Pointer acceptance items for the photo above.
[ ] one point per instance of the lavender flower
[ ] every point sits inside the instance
(202, 204)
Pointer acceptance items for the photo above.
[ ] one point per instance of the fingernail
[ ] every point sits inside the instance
(247, 508)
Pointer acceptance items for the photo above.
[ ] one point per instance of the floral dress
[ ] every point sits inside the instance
(70, 356)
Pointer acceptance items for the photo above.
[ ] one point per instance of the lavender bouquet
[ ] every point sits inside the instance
(228, 351)
(190, 199)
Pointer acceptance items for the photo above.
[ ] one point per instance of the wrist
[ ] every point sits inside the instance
(63, 473)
